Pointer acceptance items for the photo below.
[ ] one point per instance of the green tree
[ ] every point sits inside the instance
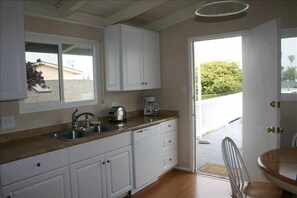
(291, 59)
(290, 73)
(221, 77)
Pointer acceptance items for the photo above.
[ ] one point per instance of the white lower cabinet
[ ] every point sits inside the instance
(119, 174)
(101, 168)
(45, 175)
(88, 178)
(169, 139)
(107, 175)
(48, 185)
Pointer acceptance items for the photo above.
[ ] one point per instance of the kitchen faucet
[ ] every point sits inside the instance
(75, 117)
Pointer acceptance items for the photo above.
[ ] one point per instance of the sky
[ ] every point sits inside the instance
(230, 49)
(218, 49)
(289, 47)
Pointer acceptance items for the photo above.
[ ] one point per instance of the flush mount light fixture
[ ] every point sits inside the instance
(222, 8)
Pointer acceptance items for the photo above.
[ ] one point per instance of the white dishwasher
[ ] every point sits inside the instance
(147, 154)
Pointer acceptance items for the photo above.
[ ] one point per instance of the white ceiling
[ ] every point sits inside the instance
(148, 14)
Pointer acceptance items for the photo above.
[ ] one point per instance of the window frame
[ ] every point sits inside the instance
(61, 104)
(287, 33)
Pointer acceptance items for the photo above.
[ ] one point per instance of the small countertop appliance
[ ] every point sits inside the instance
(150, 106)
(117, 114)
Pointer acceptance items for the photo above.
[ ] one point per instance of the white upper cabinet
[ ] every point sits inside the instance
(151, 60)
(12, 55)
(132, 59)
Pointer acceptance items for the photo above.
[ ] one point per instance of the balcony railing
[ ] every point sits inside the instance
(214, 113)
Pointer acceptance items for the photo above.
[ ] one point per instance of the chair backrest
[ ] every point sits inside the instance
(294, 141)
(235, 166)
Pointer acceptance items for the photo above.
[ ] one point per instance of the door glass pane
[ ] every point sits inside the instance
(289, 65)
(42, 64)
(78, 64)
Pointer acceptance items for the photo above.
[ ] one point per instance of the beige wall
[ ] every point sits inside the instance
(175, 61)
(131, 100)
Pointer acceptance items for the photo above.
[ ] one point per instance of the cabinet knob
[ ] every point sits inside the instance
(170, 159)
(169, 125)
(169, 141)
(38, 164)
(145, 83)
(108, 161)
(8, 196)
(103, 163)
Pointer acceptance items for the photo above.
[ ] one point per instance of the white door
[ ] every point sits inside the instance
(88, 178)
(261, 86)
(47, 185)
(132, 58)
(151, 60)
(119, 172)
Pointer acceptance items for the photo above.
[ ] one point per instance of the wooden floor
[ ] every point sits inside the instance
(183, 184)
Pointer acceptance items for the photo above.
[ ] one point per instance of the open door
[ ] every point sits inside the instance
(261, 86)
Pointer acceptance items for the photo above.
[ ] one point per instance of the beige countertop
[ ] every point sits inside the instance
(16, 149)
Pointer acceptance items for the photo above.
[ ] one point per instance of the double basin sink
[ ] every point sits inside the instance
(72, 134)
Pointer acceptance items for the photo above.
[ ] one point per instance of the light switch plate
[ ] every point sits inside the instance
(8, 122)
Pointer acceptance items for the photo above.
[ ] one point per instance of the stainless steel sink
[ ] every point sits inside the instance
(72, 134)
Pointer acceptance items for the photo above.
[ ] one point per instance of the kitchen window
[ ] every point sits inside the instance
(61, 72)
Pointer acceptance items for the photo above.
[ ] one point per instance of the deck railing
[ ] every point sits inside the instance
(217, 112)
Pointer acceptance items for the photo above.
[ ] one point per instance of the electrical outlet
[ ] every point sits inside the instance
(8, 122)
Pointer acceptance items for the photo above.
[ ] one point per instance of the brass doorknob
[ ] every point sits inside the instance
(271, 129)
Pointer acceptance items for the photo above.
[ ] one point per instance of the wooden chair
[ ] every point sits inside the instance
(241, 184)
(294, 141)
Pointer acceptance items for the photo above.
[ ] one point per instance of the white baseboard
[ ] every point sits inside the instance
(183, 168)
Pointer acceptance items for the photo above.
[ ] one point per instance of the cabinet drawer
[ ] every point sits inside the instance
(31, 166)
(168, 125)
(97, 147)
(169, 140)
(169, 159)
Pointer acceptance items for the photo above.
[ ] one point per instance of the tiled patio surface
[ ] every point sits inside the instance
(212, 152)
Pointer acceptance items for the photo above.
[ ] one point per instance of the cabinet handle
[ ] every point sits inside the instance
(170, 159)
(169, 141)
(169, 125)
(8, 196)
(142, 83)
(145, 83)
(38, 164)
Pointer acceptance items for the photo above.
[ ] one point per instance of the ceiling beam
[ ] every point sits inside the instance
(89, 19)
(176, 17)
(133, 10)
(39, 9)
(68, 7)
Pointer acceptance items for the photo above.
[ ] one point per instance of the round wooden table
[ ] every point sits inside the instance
(280, 167)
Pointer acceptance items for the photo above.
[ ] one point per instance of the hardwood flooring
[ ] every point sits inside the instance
(182, 184)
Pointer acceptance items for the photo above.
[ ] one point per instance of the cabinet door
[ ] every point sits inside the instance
(151, 60)
(119, 172)
(12, 55)
(112, 58)
(132, 58)
(48, 185)
(88, 178)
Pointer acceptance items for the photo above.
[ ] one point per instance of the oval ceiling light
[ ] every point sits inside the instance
(222, 8)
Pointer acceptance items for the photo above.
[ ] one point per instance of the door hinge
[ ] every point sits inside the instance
(275, 104)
